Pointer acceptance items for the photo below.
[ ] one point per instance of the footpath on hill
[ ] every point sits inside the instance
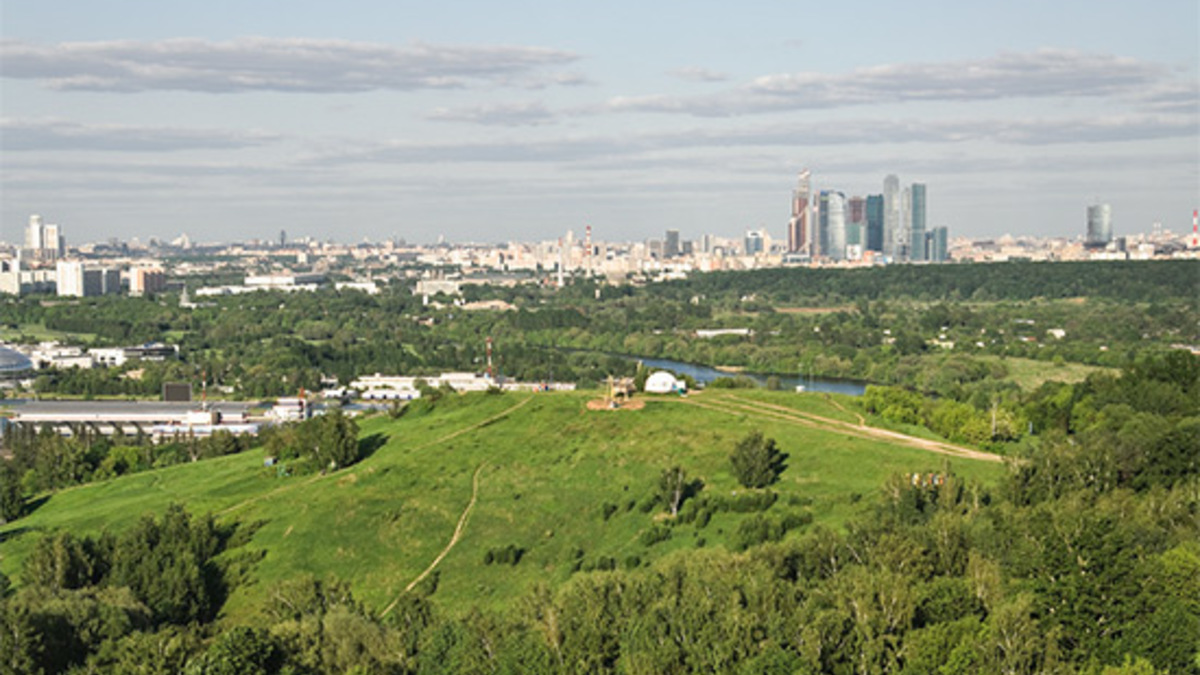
(733, 405)
(438, 441)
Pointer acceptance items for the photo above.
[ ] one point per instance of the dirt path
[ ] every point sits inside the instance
(862, 421)
(734, 406)
(458, 530)
(285, 488)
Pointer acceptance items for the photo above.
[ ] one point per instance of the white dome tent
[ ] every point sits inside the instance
(663, 382)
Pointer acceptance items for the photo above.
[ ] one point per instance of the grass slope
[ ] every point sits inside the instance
(546, 467)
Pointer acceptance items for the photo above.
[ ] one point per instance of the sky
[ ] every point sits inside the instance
(522, 120)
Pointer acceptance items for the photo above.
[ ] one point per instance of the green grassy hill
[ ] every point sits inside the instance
(543, 469)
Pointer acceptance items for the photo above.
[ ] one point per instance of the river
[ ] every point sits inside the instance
(706, 374)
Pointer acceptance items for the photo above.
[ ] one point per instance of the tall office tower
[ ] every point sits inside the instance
(875, 229)
(832, 224)
(856, 221)
(904, 233)
(282, 238)
(891, 215)
(799, 226)
(671, 247)
(938, 244)
(820, 236)
(755, 242)
(35, 233)
(53, 243)
(918, 223)
(1099, 225)
(856, 210)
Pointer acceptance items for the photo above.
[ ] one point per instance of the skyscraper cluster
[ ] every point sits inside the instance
(827, 225)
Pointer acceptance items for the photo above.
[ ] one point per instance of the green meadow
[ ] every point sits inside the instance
(567, 486)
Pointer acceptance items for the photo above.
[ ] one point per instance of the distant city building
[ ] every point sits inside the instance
(755, 242)
(937, 245)
(856, 222)
(1099, 225)
(146, 280)
(43, 241)
(891, 216)
(16, 280)
(75, 279)
(799, 227)
(875, 228)
(831, 223)
(917, 227)
(671, 247)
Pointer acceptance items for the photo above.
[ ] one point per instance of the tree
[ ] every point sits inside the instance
(12, 502)
(757, 461)
(336, 440)
(237, 651)
(673, 488)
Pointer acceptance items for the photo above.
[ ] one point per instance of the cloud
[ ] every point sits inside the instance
(696, 74)
(1024, 132)
(1042, 73)
(49, 135)
(269, 64)
(500, 114)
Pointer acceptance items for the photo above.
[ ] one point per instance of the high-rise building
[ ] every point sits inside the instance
(53, 244)
(1099, 225)
(856, 222)
(35, 233)
(755, 242)
(892, 235)
(937, 244)
(73, 279)
(875, 228)
(917, 228)
(832, 224)
(42, 241)
(671, 248)
(799, 234)
(144, 280)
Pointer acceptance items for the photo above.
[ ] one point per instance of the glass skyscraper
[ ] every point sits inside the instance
(917, 228)
(875, 227)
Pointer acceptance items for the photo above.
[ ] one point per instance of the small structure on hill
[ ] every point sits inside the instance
(663, 382)
(619, 396)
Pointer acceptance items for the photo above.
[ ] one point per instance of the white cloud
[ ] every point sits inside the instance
(1039, 74)
(1024, 132)
(499, 114)
(270, 64)
(50, 135)
(697, 74)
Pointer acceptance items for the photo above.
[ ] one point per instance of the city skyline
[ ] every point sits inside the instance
(521, 122)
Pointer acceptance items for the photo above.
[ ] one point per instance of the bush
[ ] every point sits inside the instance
(759, 529)
(607, 509)
(654, 535)
(506, 555)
